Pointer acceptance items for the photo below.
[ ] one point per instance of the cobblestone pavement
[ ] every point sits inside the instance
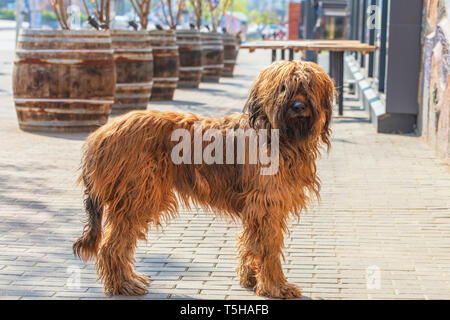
(384, 215)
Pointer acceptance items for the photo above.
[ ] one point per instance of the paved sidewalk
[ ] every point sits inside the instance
(385, 213)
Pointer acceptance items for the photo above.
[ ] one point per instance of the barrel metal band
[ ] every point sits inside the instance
(67, 111)
(165, 79)
(66, 40)
(191, 68)
(125, 39)
(213, 66)
(183, 35)
(191, 43)
(132, 96)
(63, 61)
(24, 100)
(69, 123)
(212, 47)
(165, 48)
(64, 50)
(133, 50)
(137, 84)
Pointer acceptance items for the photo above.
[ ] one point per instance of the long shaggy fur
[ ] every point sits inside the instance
(131, 181)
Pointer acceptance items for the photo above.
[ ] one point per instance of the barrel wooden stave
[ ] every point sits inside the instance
(134, 70)
(190, 51)
(61, 117)
(63, 81)
(166, 64)
(229, 44)
(212, 56)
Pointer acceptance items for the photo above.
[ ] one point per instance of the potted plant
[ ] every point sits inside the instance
(189, 45)
(212, 44)
(132, 57)
(63, 80)
(229, 43)
(165, 52)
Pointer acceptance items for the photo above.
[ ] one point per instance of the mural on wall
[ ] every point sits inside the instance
(435, 90)
(435, 71)
(443, 141)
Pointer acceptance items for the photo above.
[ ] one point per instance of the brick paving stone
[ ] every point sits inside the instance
(385, 204)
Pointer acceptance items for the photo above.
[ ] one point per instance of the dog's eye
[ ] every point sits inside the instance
(298, 106)
(283, 88)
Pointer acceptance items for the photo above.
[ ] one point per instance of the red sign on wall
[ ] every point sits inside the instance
(295, 19)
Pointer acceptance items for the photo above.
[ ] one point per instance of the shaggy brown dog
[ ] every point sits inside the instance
(131, 181)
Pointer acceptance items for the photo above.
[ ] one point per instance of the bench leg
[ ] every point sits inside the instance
(337, 73)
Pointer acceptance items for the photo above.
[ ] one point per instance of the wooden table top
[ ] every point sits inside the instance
(312, 45)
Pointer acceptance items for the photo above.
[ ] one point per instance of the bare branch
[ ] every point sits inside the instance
(142, 9)
(213, 13)
(101, 11)
(60, 9)
(181, 5)
(173, 6)
(198, 11)
(225, 6)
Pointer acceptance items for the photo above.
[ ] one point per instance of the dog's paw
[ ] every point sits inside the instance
(283, 291)
(247, 282)
(247, 276)
(136, 286)
(142, 277)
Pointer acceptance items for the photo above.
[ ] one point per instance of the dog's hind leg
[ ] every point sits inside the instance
(115, 260)
(86, 246)
(260, 251)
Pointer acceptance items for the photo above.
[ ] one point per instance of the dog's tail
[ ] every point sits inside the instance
(86, 247)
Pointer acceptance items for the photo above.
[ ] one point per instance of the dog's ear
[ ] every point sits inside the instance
(329, 93)
(323, 92)
(257, 118)
(252, 108)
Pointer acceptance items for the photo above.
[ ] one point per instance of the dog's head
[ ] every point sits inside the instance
(295, 97)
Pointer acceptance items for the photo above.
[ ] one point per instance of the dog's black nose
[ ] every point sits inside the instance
(298, 106)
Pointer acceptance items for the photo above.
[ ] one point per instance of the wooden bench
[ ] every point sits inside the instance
(336, 48)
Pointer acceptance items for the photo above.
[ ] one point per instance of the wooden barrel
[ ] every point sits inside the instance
(229, 53)
(212, 56)
(63, 81)
(134, 69)
(165, 64)
(190, 51)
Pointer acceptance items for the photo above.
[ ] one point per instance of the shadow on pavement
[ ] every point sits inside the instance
(68, 136)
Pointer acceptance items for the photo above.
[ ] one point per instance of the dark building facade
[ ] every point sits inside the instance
(406, 83)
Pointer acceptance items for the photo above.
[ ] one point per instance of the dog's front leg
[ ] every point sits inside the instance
(260, 251)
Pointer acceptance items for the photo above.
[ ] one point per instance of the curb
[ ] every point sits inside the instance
(370, 98)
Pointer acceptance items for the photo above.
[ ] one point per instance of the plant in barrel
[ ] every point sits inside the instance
(60, 10)
(198, 10)
(165, 52)
(212, 45)
(188, 42)
(63, 80)
(214, 12)
(229, 40)
(99, 13)
(142, 9)
(133, 57)
(171, 12)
